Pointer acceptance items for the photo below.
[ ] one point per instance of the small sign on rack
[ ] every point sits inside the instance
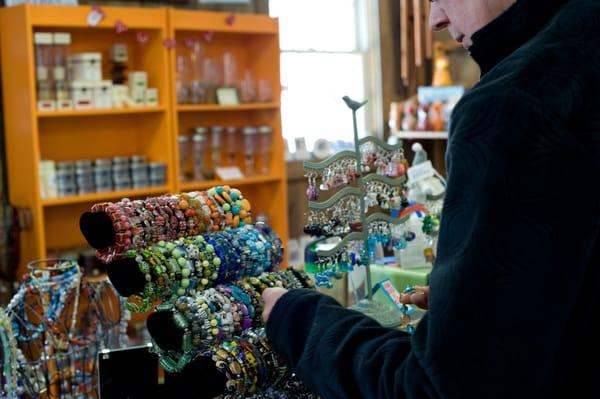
(229, 173)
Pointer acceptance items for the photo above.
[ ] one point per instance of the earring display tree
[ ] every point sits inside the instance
(378, 173)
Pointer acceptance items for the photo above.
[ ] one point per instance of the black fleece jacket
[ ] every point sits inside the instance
(514, 304)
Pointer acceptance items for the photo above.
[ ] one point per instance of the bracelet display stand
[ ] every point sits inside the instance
(200, 257)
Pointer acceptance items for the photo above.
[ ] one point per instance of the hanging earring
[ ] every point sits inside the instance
(312, 192)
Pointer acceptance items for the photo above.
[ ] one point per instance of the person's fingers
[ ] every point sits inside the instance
(270, 297)
(419, 297)
(405, 299)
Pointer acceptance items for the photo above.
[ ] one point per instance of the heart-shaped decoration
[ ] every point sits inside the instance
(142, 37)
(208, 36)
(230, 20)
(120, 27)
(169, 43)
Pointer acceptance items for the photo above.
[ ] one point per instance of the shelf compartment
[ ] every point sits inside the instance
(218, 22)
(100, 112)
(103, 197)
(76, 17)
(247, 181)
(420, 135)
(226, 108)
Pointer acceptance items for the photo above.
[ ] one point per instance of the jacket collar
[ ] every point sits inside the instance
(511, 30)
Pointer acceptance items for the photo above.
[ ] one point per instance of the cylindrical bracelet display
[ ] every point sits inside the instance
(114, 228)
(215, 314)
(188, 265)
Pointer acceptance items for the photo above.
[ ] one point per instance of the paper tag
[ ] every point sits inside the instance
(420, 172)
(391, 293)
(95, 16)
(229, 173)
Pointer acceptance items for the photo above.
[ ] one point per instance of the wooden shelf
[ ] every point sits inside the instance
(217, 22)
(100, 112)
(421, 135)
(203, 185)
(101, 197)
(219, 108)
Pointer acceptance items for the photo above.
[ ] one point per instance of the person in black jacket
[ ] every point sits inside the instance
(514, 297)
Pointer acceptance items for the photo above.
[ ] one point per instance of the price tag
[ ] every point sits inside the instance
(95, 16)
(420, 172)
(229, 173)
(391, 293)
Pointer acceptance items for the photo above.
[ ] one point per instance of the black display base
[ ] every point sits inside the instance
(97, 228)
(199, 379)
(126, 277)
(163, 331)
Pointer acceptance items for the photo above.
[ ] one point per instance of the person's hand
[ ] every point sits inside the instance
(270, 297)
(420, 298)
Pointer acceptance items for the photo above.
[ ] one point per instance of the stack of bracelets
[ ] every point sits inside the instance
(218, 314)
(139, 223)
(185, 251)
(251, 366)
(192, 264)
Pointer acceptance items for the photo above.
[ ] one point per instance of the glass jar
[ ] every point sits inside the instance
(197, 88)
(230, 77)
(212, 78)
(250, 133)
(43, 56)
(184, 156)
(265, 138)
(199, 152)
(248, 90)
(231, 145)
(183, 71)
(60, 53)
(265, 91)
(216, 139)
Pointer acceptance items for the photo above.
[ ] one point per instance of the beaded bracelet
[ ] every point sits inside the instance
(139, 223)
(223, 312)
(189, 265)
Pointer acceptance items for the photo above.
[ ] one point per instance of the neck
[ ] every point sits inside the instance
(518, 22)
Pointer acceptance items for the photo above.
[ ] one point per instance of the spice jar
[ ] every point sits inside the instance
(103, 175)
(265, 136)
(250, 133)
(231, 145)
(199, 152)
(216, 138)
(184, 155)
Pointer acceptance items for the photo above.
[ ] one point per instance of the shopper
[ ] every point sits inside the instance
(514, 300)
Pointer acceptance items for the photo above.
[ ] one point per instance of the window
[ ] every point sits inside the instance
(326, 53)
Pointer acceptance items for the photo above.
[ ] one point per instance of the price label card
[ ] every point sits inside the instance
(420, 172)
(229, 173)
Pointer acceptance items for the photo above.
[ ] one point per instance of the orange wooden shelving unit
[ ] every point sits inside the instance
(254, 40)
(32, 136)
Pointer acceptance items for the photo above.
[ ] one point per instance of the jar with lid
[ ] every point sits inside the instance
(231, 145)
(158, 173)
(216, 138)
(103, 175)
(183, 76)
(84, 173)
(199, 152)
(265, 137)
(250, 134)
(65, 179)
(184, 156)
(121, 174)
(43, 70)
